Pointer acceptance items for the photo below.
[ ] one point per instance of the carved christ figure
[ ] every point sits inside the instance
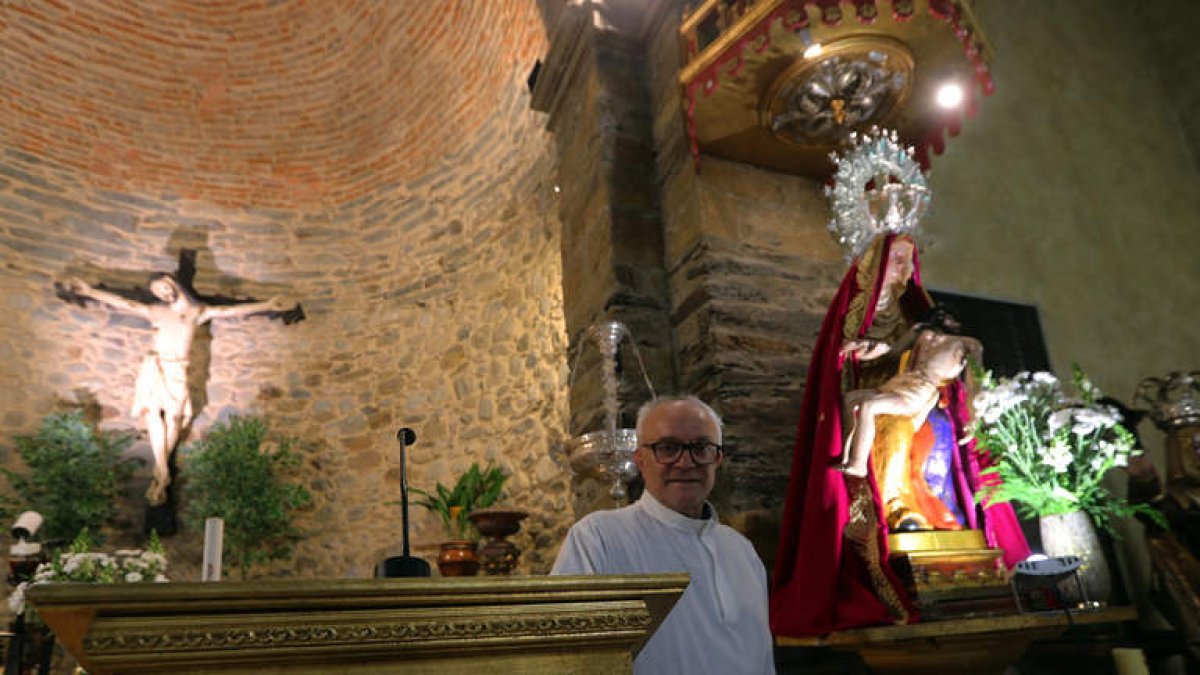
(161, 399)
(937, 358)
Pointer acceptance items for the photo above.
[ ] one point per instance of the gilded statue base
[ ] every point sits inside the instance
(951, 573)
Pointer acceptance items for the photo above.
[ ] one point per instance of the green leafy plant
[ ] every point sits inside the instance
(231, 476)
(1051, 451)
(74, 476)
(476, 488)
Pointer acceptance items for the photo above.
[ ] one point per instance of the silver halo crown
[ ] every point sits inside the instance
(896, 202)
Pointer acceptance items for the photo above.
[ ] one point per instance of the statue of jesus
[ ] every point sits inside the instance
(161, 397)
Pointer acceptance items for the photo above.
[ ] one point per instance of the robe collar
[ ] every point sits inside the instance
(676, 520)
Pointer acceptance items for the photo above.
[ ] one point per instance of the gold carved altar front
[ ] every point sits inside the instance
(583, 625)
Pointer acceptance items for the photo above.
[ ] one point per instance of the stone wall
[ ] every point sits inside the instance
(441, 292)
(751, 272)
(433, 300)
(594, 92)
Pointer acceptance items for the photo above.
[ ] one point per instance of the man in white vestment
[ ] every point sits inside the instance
(719, 626)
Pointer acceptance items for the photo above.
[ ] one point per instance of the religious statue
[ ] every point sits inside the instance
(161, 397)
(832, 570)
(937, 358)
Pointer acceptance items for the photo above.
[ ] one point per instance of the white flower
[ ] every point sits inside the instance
(133, 577)
(1058, 457)
(44, 572)
(1088, 420)
(992, 404)
(161, 578)
(1058, 419)
(1044, 378)
(1088, 388)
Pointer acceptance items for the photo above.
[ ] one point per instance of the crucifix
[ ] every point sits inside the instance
(174, 309)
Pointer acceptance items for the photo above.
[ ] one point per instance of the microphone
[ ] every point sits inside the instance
(404, 565)
(406, 436)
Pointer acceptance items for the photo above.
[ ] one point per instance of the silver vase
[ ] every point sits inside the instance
(1074, 534)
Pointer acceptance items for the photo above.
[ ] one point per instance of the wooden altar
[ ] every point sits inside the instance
(584, 625)
(980, 645)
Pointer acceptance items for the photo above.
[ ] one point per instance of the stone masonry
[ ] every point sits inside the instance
(431, 276)
(386, 165)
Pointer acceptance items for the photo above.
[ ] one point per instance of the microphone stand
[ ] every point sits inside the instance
(404, 565)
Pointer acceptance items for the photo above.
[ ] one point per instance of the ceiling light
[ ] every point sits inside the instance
(950, 95)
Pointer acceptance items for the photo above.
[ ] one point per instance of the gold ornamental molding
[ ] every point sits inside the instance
(937, 540)
(531, 624)
(781, 83)
(410, 633)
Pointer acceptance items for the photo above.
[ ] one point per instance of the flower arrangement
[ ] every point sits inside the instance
(79, 564)
(1050, 451)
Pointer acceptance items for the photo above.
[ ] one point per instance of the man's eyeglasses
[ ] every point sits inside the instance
(669, 450)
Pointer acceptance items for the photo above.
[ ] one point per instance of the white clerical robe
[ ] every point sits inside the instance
(719, 625)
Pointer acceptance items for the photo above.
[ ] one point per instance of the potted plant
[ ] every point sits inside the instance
(73, 478)
(1050, 453)
(476, 488)
(231, 476)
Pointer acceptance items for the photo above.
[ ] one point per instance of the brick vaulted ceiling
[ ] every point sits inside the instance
(286, 103)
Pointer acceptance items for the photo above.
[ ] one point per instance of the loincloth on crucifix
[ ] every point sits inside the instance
(162, 387)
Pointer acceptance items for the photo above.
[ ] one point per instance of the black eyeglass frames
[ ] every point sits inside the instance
(669, 450)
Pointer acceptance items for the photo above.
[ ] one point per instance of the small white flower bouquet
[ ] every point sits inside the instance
(79, 564)
(1050, 452)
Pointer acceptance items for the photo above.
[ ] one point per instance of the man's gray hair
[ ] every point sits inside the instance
(649, 407)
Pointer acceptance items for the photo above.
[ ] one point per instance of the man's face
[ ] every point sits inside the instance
(163, 290)
(681, 485)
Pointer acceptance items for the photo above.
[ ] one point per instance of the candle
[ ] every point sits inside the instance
(214, 537)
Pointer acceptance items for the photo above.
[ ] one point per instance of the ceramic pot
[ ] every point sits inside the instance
(1074, 534)
(499, 556)
(457, 559)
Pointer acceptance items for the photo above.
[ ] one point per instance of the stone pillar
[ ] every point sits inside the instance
(751, 271)
(593, 87)
(723, 271)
